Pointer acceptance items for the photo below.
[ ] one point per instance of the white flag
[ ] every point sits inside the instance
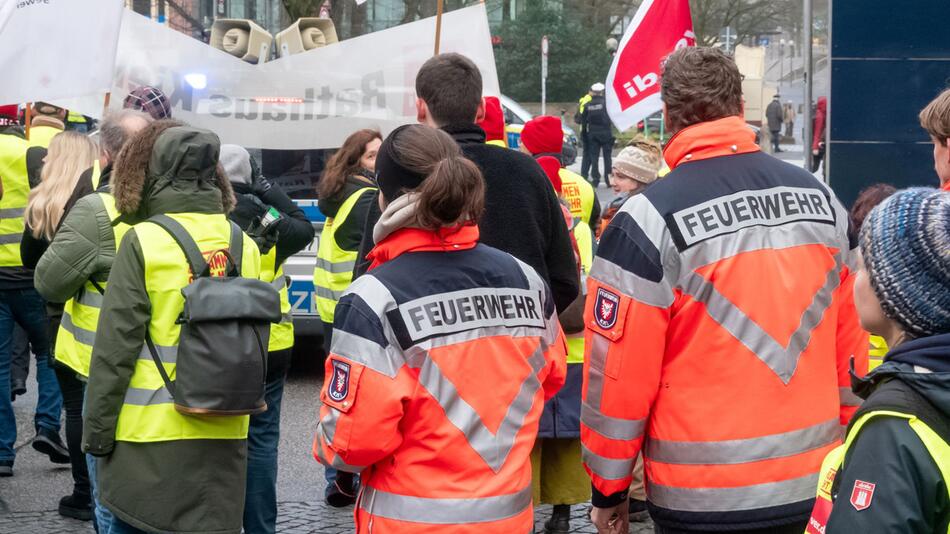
(52, 49)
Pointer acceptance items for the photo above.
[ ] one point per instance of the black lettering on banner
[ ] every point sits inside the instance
(767, 207)
(219, 106)
(468, 309)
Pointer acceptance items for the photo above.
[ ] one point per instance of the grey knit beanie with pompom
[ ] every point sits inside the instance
(905, 242)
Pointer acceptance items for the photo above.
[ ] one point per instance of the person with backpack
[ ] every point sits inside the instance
(280, 230)
(168, 455)
(443, 355)
(893, 471)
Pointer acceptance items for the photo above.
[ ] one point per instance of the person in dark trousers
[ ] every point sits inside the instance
(347, 193)
(600, 134)
(893, 471)
(81, 251)
(278, 237)
(774, 115)
(20, 304)
(522, 213)
(579, 120)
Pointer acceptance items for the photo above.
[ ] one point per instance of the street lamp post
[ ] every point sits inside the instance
(806, 73)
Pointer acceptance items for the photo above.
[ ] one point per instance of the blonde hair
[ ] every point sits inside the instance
(69, 155)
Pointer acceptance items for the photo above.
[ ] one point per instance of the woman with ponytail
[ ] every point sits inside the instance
(443, 355)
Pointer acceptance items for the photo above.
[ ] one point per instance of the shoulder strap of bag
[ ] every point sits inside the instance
(199, 267)
(895, 395)
(236, 248)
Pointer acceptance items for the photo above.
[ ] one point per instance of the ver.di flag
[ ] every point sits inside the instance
(633, 84)
(52, 49)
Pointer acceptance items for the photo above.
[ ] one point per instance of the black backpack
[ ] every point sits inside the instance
(225, 327)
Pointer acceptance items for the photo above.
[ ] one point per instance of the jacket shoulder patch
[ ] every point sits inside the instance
(861, 495)
(606, 308)
(339, 386)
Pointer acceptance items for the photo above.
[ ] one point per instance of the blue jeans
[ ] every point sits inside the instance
(26, 308)
(105, 521)
(263, 436)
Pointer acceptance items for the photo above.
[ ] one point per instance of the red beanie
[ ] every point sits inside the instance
(10, 112)
(552, 167)
(494, 121)
(543, 135)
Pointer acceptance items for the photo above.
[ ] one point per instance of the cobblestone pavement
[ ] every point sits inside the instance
(28, 500)
(292, 518)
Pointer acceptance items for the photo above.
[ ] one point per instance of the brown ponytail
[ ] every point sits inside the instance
(453, 191)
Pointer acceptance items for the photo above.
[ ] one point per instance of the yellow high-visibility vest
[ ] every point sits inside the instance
(148, 412)
(578, 193)
(77, 330)
(585, 245)
(282, 333)
(43, 135)
(334, 270)
(16, 192)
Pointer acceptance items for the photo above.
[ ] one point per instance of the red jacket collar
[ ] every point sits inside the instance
(722, 137)
(946, 186)
(418, 240)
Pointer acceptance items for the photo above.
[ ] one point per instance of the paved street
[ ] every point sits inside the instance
(28, 501)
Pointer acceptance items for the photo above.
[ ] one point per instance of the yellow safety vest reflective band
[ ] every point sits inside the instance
(16, 191)
(876, 352)
(585, 245)
(43, 135)
(334, 270)
(77, 331)
(938, 448)
(578, 193)
(96, 174)
(282, 333)
(582, 103)
(75, 117)
(148, 413)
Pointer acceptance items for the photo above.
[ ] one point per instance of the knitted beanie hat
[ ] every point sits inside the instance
(552, 168)
(150, 100)
(905, 243)
(236, 162)
(640, 161)
(494, 121)
(543, 135)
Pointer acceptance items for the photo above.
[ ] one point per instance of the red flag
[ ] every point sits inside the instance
(633, 85)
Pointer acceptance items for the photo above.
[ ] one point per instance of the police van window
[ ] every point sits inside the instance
(511, 118)
(296, 171)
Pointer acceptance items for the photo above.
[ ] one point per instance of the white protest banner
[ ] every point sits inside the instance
(305, 101)
(52, 49)
(633, 84)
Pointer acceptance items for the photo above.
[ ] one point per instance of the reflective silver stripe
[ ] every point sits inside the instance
(384, 360)
(611, 427)
(607, 468)
(444, 511)
(764, 237)
(148, 397)
(92, 298)
(732, 499)
(328, 294)
(640, 289)
(336, 267)
(12, 213)
(739, 451)
(458, 338)
(167, 354)
(286, 318)
(10, 239)
(595, 374)
(782, 360)
(848, 398)
(81, 335)
(493, 447)
(327, 426)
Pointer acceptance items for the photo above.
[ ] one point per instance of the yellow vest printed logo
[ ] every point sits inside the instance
(217, 263)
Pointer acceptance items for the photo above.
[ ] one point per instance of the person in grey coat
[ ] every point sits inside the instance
(775, 116)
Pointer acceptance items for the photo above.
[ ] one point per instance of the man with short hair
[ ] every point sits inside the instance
(935, 118)
(522, 214)
(718, 330)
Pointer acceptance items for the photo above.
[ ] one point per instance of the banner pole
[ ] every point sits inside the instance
(438, 25)
(27, 119)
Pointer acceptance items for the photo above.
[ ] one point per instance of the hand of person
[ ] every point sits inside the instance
(261, 185)
(615, 520)
(814, 152)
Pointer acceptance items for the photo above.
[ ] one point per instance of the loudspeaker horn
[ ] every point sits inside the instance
(242, 38)
(306, 34)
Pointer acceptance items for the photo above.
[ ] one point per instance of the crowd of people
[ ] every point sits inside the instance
(695, 351)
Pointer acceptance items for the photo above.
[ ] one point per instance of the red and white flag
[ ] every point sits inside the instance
(633, 85)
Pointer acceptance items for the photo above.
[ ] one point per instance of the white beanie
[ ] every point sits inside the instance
(236, 162)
